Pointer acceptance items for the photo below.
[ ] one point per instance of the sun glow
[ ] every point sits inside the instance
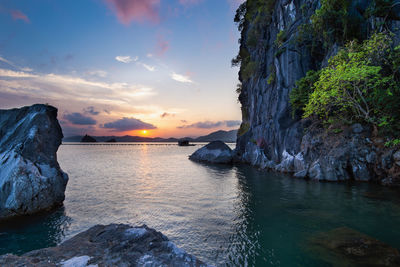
(144, 132)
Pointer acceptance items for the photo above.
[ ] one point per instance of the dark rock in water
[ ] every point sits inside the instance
(214, 152)
(348, 247)
(88, 139)
(111, 245)
(112, 140)
(30, 177)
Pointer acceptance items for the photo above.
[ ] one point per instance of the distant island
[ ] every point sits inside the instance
(225, 136)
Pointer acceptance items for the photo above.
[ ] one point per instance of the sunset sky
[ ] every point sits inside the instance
(116, 67)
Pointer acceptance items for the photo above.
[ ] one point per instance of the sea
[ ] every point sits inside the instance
(224, 215)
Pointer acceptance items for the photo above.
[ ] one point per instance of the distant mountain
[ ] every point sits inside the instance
(225, 136)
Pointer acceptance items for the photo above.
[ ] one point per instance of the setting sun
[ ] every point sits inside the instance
(144, 132)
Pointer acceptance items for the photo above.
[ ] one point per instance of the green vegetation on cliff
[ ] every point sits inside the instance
(257, 13)
(361, 83)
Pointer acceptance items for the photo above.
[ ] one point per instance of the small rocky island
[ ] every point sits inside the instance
(110, 245)
(31, 179)
(88, 139)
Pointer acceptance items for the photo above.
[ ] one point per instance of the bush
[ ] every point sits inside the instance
(300, 94)
(361, 83)
(281, 37)
(248, 70)
(244, 128)
(272, 76)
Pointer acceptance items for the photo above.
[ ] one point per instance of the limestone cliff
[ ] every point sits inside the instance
(272, 60)
(30, 177)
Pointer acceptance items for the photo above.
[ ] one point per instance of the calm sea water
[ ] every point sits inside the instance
(223, 215)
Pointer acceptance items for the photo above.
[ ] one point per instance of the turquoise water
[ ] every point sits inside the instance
(223, 215)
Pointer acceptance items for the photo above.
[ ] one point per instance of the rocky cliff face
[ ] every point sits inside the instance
(269, 136)
(30, 177)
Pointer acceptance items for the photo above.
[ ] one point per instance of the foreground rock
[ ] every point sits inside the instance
(30, 178)
(353, 248)
(214, 152)
(111, 245)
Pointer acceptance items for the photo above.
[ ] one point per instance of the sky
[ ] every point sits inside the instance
(123, 67)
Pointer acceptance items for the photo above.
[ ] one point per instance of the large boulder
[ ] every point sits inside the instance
(214, 152)
(30, 177)
(110, 245)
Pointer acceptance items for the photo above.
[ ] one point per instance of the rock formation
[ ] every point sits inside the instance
(30, 177)
(111, 245)
(214, 152)
(88, 139)
(270, 137)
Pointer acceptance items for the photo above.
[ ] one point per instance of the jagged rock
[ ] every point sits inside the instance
(214, 152)
(88, 139)
(348, 247)
(110, 245)
(30, 177)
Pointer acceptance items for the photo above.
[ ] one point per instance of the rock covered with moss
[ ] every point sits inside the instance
(109, 245)
(31, 179)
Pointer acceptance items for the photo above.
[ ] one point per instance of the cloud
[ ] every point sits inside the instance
(15, 74)
(99, 73)
(91, 110)
(162, 46)
(125, 59)
(211, 124)
(14, 65)
(231, 123)
(17, 14)
(128, 124)
(181, 78)
(27, 69)
(53, 87)
(7, 61)
(79, 119)
(166, 114)
(135, 10)
(149, 68)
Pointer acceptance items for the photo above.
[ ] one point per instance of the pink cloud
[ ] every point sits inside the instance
(135, 10)
(162, 46)
(16, 15)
